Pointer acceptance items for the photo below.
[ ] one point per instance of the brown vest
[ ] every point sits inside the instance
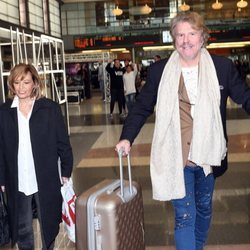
(185, 119)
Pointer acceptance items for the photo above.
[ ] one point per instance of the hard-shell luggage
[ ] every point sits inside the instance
(109, 216)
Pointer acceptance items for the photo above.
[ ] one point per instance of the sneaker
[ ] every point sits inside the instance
(122, 115)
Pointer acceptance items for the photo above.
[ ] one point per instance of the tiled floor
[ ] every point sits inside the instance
(93, 137)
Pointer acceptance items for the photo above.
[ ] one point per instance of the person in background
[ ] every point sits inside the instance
(189, 148)
(79, 80)
(86, 80)
(129, 78)
(116, 72)
(33, 137)
(127, 62)
(157, 58)
(101, 80)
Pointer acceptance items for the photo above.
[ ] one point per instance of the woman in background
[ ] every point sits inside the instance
(129, 85)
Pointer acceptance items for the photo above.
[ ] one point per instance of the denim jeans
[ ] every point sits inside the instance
(193, 212)
(130, 100)
(101, 83)
(25, 223)
(25, 239)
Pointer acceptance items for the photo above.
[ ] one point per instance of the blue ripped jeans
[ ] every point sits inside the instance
(193, 213)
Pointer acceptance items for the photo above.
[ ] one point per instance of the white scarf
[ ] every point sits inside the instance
(208, 146)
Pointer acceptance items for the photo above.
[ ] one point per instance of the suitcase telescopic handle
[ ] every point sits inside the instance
(120, 154)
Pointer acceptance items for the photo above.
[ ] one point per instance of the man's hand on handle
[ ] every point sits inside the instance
(123, 145)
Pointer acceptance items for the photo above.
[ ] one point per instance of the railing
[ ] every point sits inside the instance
(43, 52)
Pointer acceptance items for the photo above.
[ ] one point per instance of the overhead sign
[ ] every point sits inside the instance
(115, 41)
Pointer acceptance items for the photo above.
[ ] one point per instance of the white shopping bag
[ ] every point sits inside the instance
(68, 209)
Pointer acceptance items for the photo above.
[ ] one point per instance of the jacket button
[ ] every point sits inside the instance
(188, 143)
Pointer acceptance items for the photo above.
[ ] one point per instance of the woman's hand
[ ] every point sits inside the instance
(3, 188)
(65, 179)
(123, 145)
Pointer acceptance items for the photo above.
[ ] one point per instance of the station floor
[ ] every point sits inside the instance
(93, 137)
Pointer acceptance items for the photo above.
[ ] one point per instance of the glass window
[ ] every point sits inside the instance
(9, 11)
(36, 15)
(54, 15)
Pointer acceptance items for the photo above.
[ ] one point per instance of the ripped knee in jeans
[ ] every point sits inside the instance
(184, 220)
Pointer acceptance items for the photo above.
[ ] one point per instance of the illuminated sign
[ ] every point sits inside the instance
(229, 35)
(130, 40)
(115, 41)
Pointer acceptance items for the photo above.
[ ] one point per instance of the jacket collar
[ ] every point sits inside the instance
(40, 103)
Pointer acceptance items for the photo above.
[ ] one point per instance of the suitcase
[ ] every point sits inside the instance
(109, 216)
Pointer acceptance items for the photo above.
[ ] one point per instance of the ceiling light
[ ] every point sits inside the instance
(184, 7)
(140, 10)
(117, 11)
(146, 9)
(217, 5)
(210, 46)
(242, 4)
(91, 51)
(228, 45)
(154, 48)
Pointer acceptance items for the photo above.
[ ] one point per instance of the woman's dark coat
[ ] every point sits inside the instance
(49, 140)
(231, 85)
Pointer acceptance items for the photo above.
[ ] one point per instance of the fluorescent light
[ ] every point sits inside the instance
(228, 45)
(167, 47)
(118, 49)
(210, 46)
(91, 51)
(217, 46)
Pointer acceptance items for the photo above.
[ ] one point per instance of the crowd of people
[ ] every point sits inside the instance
(92, 76)
(122, 85)
(125, 83)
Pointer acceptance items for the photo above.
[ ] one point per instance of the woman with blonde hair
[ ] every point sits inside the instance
(32, 138)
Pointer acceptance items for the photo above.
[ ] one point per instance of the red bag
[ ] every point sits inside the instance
(68, 209)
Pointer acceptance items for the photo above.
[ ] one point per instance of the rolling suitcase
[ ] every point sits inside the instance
(109, 216)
